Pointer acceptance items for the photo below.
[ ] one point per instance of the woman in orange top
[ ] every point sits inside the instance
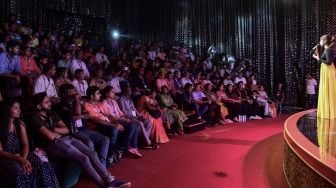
(144, 106)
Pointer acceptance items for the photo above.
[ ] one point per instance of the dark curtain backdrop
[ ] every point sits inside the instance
(276, 35)
(68, 16)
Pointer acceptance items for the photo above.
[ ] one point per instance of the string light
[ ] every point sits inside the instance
(247, 29)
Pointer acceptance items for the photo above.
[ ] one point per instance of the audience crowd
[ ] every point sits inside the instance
(69, 98)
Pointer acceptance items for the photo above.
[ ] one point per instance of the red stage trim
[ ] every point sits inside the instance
(307, 151)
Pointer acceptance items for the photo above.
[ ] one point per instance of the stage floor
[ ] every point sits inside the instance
(310, 150)
(320, 132)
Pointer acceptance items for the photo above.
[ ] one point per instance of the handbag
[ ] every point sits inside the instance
(154, 113)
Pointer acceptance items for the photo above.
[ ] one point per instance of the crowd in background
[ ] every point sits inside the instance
(84, 103)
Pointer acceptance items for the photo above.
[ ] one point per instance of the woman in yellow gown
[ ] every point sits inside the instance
(326, 107)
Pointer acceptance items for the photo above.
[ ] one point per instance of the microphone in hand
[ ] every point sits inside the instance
(314, 48)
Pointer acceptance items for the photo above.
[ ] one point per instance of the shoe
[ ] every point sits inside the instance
(117, 157)
(148, 147)
(222, 122)
(180, 132)
(252, 117)
(133, 153)
(110, 161)
(138, 153)
(228, 121)
(156, 146)
(257, 117)
(118, 184)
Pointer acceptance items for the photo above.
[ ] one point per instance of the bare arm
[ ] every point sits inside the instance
(24, 141)
(7, 155)
(48, 134)
(99, 121)
(61, 128)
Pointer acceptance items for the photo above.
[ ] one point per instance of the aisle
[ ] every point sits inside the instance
(237, 155)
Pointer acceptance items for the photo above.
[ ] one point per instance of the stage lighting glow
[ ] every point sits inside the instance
(115, 34)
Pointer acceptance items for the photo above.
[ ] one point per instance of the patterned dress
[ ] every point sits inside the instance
(42, 175)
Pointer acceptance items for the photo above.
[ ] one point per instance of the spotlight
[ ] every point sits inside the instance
(115, 34)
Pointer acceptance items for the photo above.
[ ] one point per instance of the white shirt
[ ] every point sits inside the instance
(207, 82)
(242, 79)
(45, 84)
(208, 64)
(310, 86)
(227, 82)
(198, 95)
(80, 87)
(151, 55)
(100, 58)
(161, 55)
(79, 64)
(115, 84)
(185, 80)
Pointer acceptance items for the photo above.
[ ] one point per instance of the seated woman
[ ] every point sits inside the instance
(234, 103)
(98, 80)
(168, 106)
(218, 106)
(130, 141)
(250, 106)
(170, 83)
(148, 108)
(161, 81)
(24, 168)
(207, 79)
(269, 106)
(230, 104)
(198, 79)
(62, 77)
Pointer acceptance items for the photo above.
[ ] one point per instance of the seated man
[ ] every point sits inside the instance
(79, 83)
(192, 103)
(52, 134)
(70, 110)
(127, 107)
(45, 82)
(10, 66)
(106, 124)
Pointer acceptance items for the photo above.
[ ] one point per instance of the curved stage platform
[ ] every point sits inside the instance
(310, 150)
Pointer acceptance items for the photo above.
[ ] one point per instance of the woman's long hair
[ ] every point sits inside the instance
(5, 107)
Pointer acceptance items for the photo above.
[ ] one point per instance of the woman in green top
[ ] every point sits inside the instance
(168, 106)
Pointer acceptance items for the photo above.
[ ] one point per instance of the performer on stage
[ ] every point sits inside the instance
(326, 107)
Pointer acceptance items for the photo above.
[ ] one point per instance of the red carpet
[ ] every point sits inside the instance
(235, 155)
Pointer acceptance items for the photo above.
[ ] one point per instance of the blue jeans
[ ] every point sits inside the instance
(144, 129)
(130, 135)
(112, 133)
(93, 138)
(73, 149)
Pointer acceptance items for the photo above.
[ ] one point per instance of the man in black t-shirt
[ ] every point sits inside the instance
(70, 110)
(53, 133)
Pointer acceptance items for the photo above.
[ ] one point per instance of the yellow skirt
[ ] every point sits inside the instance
(326, 107)
(326, 137)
